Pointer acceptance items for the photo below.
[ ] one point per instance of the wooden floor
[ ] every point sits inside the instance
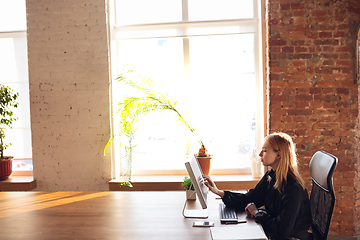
(98, 215)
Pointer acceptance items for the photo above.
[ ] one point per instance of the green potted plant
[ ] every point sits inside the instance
(189, 187)
(147, 100)
(8, 101)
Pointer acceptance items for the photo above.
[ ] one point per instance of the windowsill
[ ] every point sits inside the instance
(173, 183)
(18, 183)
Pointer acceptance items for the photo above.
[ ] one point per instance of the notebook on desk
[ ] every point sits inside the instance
(254, 232)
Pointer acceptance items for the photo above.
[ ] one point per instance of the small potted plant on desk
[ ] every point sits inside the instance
(188, 186)
(7, 102)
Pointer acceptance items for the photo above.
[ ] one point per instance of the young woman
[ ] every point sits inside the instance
(279, 201)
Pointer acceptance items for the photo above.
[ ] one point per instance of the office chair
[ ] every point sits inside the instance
(322, 197)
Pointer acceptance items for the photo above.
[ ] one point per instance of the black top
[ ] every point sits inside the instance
(287, 214)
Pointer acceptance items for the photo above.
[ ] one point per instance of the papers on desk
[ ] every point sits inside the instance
(241, 231)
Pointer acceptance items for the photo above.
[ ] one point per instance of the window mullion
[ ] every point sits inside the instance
(186, 51)
(185, 10)
(185, 18)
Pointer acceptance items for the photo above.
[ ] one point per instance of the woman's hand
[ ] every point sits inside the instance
(251, 209)
(212, 187)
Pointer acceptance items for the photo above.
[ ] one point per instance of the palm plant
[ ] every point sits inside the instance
(134, 107)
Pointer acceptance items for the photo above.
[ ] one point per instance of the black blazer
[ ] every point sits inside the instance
(287, 214)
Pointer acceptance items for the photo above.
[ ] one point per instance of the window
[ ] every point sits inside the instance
(14, 73)
(206, 53)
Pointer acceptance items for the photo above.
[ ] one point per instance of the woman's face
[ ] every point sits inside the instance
(269, 157)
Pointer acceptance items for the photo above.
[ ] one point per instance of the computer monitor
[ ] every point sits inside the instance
(195, 173)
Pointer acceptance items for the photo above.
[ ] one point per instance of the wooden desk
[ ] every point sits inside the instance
(100, 215)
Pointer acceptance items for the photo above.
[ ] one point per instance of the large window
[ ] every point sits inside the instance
(14, 73)
(206, 53)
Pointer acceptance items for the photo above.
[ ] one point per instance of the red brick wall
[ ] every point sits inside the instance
(312, 92)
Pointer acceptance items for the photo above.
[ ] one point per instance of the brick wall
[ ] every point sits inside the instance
(69, 94)
(312, 92)
(357, 65)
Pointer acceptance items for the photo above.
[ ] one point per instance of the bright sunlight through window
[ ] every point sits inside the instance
(206, 54)
(14, 73)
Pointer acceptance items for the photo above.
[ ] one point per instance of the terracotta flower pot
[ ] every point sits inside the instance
(205, 164)
(5, 168)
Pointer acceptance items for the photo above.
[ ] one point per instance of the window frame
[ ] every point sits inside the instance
(17, 172)
(254, 25)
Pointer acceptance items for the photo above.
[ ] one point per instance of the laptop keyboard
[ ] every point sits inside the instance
(227, 214)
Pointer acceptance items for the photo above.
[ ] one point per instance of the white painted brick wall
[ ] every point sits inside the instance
(69, 94)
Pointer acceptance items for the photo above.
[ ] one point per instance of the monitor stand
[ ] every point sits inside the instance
(193, 209)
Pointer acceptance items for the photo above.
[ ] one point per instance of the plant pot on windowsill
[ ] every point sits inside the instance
(5, 168)
(204, 160)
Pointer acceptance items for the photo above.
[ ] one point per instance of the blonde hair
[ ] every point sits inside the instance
(283, 143)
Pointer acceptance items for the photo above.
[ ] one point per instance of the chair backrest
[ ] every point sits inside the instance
(322, 197)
